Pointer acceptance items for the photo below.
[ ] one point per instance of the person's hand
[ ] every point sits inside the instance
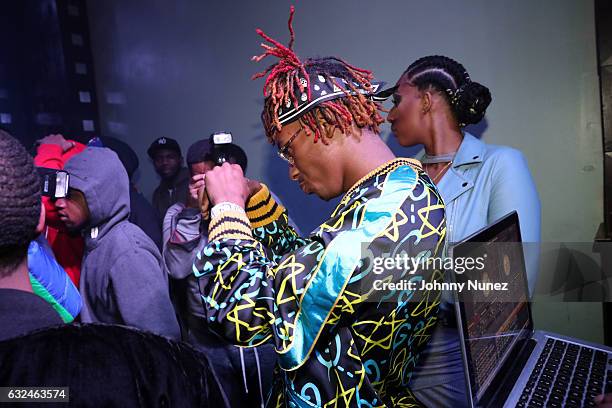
(603, 401)
(254, 187)
(196, 184)
(227, 183)
(57, 139)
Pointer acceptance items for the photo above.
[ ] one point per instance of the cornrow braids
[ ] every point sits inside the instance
(468, 99)
(20, 202)
(280, 89)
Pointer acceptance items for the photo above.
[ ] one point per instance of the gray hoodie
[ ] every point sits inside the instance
(122, 280)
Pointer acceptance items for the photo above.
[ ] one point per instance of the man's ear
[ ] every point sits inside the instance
(41, 220)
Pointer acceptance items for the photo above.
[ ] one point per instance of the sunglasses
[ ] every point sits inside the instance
(283, 152)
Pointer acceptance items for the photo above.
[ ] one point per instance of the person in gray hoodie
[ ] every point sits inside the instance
(122, 279)
(246, 373)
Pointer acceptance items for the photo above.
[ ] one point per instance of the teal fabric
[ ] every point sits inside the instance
(340, 260)
(275, 288)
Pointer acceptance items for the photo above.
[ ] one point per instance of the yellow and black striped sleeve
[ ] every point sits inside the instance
(270, 224)
(230, 225)
(262, 209)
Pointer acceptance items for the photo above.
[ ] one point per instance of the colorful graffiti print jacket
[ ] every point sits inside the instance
(339, 341)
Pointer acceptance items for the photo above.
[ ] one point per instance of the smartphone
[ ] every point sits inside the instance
(218, 140)
(54, 183)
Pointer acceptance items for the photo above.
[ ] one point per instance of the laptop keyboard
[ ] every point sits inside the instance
(567, 375)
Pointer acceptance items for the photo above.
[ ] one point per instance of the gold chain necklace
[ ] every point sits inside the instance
(440, 173)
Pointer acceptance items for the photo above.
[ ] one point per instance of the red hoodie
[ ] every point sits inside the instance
(68, 248)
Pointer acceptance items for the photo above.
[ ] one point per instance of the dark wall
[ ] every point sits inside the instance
(46, 70)
(182, 69)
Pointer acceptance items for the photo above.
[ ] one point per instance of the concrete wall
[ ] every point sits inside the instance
(182, 69)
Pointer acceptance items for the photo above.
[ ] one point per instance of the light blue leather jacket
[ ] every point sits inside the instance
(485, 183)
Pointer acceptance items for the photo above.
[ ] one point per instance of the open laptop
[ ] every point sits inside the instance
(506, 362)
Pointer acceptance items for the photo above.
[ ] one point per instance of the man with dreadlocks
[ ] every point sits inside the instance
(340, 342)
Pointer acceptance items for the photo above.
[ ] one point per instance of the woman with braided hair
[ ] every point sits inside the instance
(339, 340)
(433, 101)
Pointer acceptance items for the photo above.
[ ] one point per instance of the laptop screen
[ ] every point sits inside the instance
(494, 312)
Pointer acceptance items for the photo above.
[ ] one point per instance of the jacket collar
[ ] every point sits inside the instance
(456, 181)
(470, 151)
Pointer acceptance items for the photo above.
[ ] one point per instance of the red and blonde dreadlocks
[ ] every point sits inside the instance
(283, 76)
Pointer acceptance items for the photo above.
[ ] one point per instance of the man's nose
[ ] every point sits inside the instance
(60, 203)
